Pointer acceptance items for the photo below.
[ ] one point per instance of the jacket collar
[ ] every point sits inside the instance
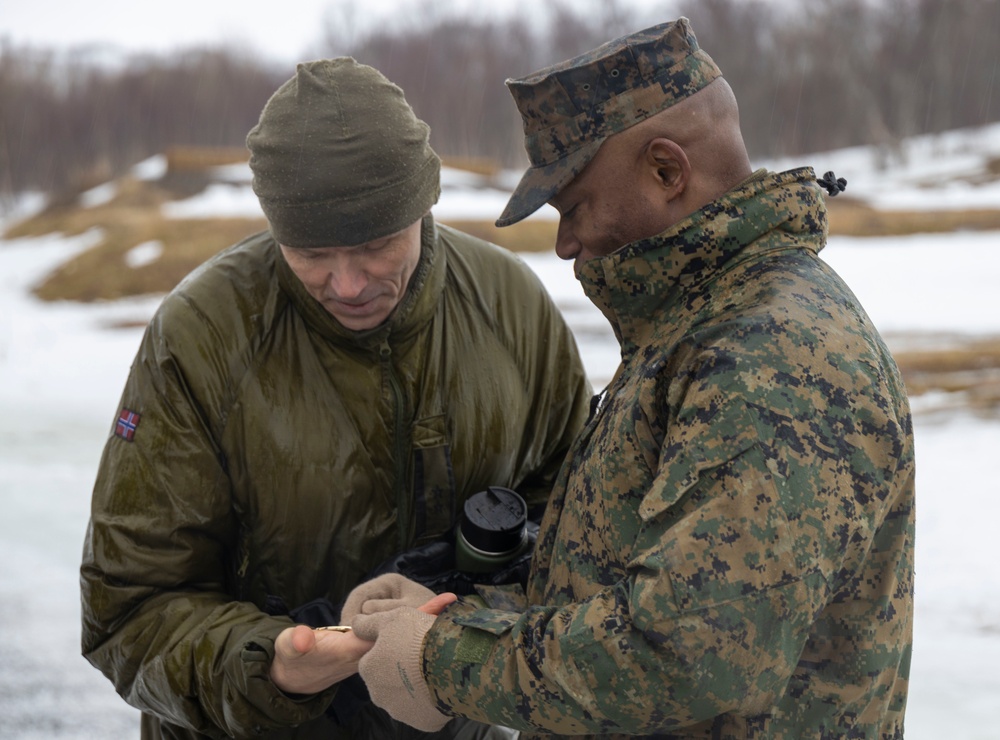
(411, 314)
(637, 286)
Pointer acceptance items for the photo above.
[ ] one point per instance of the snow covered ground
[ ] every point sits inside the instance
(955, 169)
(62, 367)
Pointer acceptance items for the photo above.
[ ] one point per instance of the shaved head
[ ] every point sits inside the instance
(707, 126)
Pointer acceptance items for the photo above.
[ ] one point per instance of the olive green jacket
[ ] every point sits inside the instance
(728, 552)
(277, 454)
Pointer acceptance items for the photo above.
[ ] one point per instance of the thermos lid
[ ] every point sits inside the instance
(494, 520)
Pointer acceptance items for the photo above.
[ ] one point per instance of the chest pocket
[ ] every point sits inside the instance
(714, 520)
(433, 484)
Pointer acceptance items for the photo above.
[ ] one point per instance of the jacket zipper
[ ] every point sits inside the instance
(399, 458)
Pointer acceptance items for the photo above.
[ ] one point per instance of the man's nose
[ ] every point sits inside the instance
(347, 281)
(567, 245)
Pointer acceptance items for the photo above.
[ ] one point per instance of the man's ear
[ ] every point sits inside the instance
(669, 165)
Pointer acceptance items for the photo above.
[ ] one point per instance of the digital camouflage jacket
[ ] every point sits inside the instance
(262, 451)
(728, 552)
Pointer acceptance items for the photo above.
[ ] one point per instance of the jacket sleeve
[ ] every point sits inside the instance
(157, 578)
(710, 617)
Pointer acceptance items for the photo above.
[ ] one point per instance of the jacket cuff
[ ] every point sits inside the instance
(457, 650)
(275, 707)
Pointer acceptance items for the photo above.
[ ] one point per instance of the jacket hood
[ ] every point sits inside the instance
(640, 280)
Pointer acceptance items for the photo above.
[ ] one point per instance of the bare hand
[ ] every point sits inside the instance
(307, 661)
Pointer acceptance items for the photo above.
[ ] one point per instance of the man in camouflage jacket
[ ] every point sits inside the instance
(728, 551)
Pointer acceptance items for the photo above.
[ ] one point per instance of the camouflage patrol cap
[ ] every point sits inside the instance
(570, 108)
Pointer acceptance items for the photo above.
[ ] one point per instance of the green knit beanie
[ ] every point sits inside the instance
(339, 158)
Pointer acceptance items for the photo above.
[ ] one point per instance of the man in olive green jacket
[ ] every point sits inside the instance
(305, 405)
(728, 552)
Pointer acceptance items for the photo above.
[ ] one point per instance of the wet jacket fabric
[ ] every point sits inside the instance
(728, 552)
(274, 455)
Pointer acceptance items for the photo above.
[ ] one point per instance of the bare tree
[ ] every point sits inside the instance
(831, 74)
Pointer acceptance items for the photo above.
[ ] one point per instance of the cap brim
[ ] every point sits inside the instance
(539, 185)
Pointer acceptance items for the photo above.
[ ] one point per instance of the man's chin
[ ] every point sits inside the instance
(358, 324)
(360, 321)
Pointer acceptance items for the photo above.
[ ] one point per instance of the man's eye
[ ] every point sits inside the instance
(377, 245)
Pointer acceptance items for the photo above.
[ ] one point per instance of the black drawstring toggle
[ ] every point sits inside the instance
(832, 183)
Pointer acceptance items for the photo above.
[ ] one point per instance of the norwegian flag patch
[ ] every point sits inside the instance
(127, 422)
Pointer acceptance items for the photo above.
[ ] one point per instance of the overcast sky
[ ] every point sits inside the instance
(283, 30)
(287, 30)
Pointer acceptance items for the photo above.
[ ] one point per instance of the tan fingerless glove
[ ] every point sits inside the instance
(393, 668)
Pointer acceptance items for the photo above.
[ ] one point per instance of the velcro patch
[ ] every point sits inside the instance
(474, 646)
